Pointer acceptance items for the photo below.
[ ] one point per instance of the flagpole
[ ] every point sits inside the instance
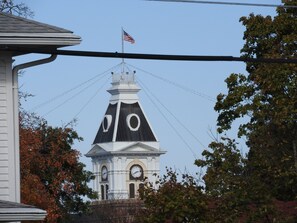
(122, 49)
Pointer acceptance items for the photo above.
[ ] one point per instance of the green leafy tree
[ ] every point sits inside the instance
(225, 180)
(265, 101)
(172, 200)
(267, 96)
(260, 186)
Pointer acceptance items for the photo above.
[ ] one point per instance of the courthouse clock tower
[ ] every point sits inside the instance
(125, 152)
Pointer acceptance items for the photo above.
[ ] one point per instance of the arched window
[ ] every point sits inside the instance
(104, 173)
(102, 192)
(106, 191)
(131, 190)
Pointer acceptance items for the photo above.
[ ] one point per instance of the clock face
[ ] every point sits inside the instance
(104, 173)
(136, 172)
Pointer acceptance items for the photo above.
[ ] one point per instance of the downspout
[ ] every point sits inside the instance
(15, 93)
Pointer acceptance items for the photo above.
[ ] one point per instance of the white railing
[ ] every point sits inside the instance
(123, 78)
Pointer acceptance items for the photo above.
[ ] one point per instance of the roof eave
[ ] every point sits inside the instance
(98, 155)
(127, 153)
(21, 214)
(144, 153)
(37, 40)
(21, 217)
(59, 40)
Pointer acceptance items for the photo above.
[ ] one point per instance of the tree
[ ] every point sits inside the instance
(20, 9)
(261, 186)
(225, 181)
(52, 178)
(268, 97)
(265, 101)
(173, 201)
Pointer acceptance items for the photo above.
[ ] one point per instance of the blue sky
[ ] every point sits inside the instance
(158, 28)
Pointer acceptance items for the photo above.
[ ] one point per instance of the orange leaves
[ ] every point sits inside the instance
(52, 178)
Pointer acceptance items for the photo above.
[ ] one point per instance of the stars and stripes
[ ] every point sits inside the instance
(127, 37)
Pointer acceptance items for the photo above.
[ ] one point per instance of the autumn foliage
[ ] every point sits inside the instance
(52, 178)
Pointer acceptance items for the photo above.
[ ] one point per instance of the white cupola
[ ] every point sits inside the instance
(125, 151)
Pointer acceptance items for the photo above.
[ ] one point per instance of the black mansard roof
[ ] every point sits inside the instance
(130, 124)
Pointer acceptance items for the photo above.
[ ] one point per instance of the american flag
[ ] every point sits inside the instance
(128, 38)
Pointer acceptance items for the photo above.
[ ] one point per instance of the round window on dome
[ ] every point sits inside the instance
(106, 123)
(133, 122)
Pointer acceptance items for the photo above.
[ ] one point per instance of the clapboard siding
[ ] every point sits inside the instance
(5, 132)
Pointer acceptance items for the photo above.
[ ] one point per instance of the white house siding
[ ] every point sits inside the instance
(9, 166)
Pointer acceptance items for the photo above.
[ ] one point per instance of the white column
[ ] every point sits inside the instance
(95, 172)
(124, 178)
(9, 132)
(113, 185)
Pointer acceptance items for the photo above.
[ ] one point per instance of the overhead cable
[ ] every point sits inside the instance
(73, 96)
(145, 89)
(176, 119)
(91, 98)
(93, 79)
(185, 88)
(227, 3)
(151, 56)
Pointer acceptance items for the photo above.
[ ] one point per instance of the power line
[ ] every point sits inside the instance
(176, 119)
(185, 88)
(150, 56)
(73, 89)
(73, 96)
(90, 99)
(146, 90)
(226, 3)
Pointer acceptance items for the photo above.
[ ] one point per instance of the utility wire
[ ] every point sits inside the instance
(70, 98)
(91, 98)
(192, 91)
(167, 120)
(72, 89)
(176, 119)
(149, 56)
(227, 3)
